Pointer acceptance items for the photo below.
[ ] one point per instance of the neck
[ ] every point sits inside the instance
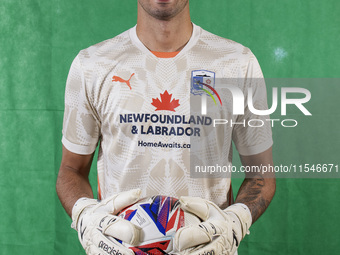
(164, 35)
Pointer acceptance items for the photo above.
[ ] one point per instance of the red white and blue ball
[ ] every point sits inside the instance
(159, 217)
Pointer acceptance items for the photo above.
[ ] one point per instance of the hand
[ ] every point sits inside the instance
(220, 231)
(98, 226)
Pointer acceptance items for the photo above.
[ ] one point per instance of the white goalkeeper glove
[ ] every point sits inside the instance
(98, 226)
(220, 232)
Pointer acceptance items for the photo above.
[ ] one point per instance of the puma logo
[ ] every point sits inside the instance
(119, 79)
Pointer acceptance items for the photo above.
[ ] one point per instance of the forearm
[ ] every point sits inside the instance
(256, 192)
(71, 186)
(258, 189)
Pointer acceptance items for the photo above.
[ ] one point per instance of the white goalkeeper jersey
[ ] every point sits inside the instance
(136, 107)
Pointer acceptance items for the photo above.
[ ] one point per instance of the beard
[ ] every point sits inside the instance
(163, 11)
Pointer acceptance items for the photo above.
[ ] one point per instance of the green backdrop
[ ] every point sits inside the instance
(39, 39)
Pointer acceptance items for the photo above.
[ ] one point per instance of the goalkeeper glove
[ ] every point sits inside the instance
(220, 231)
(98, 226)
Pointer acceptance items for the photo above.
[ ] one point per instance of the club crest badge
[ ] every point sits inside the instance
(201, 80)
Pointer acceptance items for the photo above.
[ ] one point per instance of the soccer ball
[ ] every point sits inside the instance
(159, 217)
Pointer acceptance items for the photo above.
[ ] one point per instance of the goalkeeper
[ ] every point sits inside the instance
(151, 70)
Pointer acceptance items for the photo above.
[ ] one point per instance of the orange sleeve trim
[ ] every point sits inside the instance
(165, 54)
(99, 191)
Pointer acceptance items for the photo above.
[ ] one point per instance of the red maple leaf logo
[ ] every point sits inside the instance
(165, 104)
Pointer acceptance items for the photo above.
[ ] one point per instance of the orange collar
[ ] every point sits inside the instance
(165, 54)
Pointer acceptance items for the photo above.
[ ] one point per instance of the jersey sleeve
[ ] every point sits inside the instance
(252, 134)
(81, 126)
